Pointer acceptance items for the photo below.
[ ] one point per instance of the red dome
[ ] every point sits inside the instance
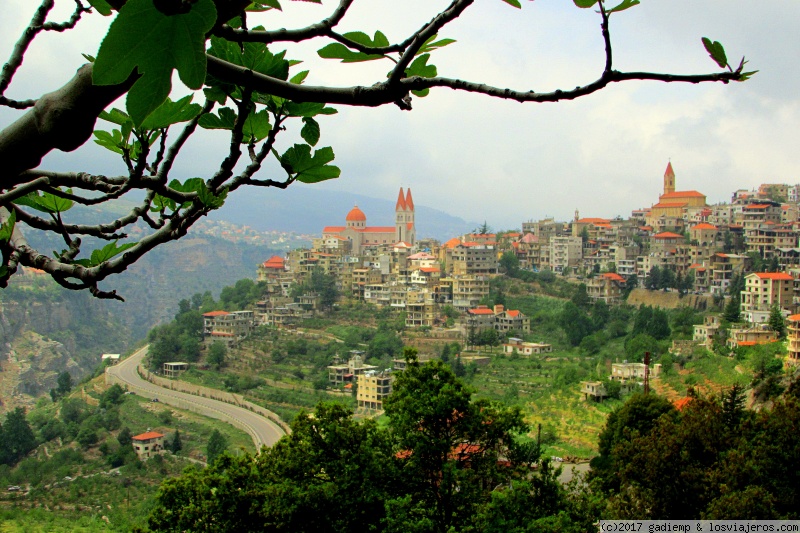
(356, 215)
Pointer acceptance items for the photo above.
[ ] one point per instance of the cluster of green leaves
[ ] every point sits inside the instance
(711, 460)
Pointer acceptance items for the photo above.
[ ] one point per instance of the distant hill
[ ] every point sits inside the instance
(309, 209)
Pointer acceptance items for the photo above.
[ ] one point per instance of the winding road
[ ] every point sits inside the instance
(263, 431)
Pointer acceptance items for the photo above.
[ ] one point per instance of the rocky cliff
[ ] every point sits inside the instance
(45, 330)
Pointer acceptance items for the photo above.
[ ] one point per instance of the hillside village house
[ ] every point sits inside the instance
(762, 291)
(373, 388)
(793, 334)
(498, 318)
(525, 348)
(227, 327)
(704, 333)
(148, 444)
(607, 287)
(751, 336)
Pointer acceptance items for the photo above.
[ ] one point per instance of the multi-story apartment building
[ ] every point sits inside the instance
(793, 333)
(762, 291)
(723, 267)
(373, 388)
(498, 318)
(607, 287)
(468, 291)
(565, 253)
(472, 259)
(756, 214)
(766, 238)
(227, 327)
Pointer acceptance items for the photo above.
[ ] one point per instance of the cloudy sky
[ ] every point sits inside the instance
(504, 162)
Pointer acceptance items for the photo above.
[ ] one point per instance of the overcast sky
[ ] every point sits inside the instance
(504, 162)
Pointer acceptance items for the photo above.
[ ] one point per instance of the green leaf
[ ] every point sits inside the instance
(716, 51)
(340, 51)
(7, 229)
(307, 109)
(154, 44)
(430, 45)
(419, 67)
(209, 199)
(47, 202)
(223, 120)
(299, 78)
(422, 93)
(623, 6)
(514, 3)
(310, 131)
(254, 56)
(256, 127)
(105, 253)
(744, 76)
(216, 94)
(101, 6)
(298, 161)
(115, 116)
(584, 4)
(363, 39)
(264, 5)
(170, 113)
(160, 203)
(112, 141)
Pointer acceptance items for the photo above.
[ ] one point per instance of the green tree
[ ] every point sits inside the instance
(509, 262)
(636, 417)
(175, 445)
(777, 322)
(331, 473)
(732, 311)
(125, 437)
(16, 437)
(450, 443)
(217, 353)
(217, 445)
(266, 103)
(575, 323)
(654, 279)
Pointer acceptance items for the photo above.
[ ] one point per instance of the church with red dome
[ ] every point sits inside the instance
(362, 236)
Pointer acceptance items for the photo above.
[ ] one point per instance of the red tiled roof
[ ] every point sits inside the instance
(681, 403)
(333, 229)
(409, 200)
(401, 201)
(480, 311)
(667, 205)
(667, 235)
(780, 276)
(147, 436)
(705, 225)
(452, 243)
(356, 215)
(513, 313)
(593, 221)
(428, 269)
(613, 276)
(756, 206)
(682, 194)
(215, 313)
(275, 261)
(221, 334)
(794, 318)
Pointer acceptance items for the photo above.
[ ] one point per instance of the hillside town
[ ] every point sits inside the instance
(690, 246)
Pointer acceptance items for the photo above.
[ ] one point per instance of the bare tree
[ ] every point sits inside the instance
(248, 90)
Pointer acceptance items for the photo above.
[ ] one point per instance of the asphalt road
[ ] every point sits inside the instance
(263, 431)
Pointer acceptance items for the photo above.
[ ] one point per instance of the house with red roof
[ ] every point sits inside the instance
(148, 444)
(499, 318)
(764, 290)
(607, 287)
(227, 327)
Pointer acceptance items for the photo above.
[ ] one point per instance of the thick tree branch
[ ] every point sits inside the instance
(63, 120)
